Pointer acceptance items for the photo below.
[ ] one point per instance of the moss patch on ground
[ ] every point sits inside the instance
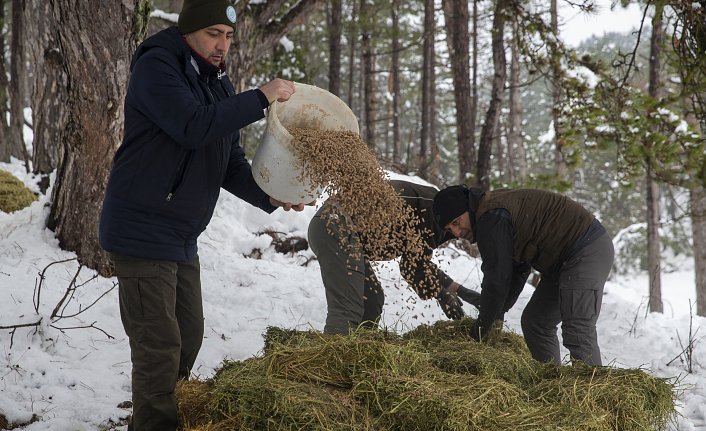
(14, 195)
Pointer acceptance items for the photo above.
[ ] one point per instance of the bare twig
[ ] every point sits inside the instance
(688, 352)
(81, 310)
(20, 325)
(69, 293)
(92, 325)
(38, 287)
(637, 44)
(633, 327)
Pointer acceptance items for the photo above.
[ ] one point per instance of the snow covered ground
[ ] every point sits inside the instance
(74, 379)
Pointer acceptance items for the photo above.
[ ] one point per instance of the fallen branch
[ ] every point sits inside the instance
(92, 325)
(20, 325)
(38, 288)
(61, 316)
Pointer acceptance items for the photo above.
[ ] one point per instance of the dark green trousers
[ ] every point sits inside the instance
(162, 313)
(571, 296)
(354, 295)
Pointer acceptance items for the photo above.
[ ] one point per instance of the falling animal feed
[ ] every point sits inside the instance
(379, 380)
(345, 168)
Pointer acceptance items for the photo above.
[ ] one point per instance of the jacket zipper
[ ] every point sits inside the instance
(178, 177)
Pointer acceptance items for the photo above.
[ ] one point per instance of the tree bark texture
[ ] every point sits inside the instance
(559, 160)
(334, 43)
(259, 27)
(395, 78)
(456, 15)
(369, 82)
(517, 158)
(426, 133)
(96, 60)
(474, 87)
(493, 113)
(5, 151)
(17, 88)
(352, 37)
(654, 263)
(653, 244)
(50, 94)
(698, 226)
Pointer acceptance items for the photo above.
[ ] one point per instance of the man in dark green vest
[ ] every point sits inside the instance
(521, 229)
(354, 296)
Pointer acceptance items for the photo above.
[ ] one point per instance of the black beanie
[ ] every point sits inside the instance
(198, 14)
(449, 204)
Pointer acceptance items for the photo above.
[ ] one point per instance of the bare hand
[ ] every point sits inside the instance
(290, 206)
(278, 89)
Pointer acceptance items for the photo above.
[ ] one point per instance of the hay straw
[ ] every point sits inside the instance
(445, 330)
(445, 401)
(636, 400)
(245, 395)
(192, 398)
(375, 380)
(277, 337)
(481, 359)
(336, 359)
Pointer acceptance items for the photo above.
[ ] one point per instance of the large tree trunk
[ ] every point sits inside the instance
(334, 46)
(516, 155)
(456, 17)
(18, 73)
(395, 84)
(50, 95)
(698, 226)
(96, 58)
(427, 103)
(652, 197)
(496, 95)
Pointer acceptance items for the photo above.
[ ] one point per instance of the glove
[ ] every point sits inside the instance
(480, 332)
(450, 304)
(470, 296)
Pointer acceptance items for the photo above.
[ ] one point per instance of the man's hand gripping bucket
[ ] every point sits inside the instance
(275, 167)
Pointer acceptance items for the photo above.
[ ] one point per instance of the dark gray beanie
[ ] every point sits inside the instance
(198, 14)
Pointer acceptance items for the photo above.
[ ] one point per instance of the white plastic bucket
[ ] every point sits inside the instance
(275, 167)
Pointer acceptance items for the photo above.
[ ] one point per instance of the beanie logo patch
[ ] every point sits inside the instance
(230, 13)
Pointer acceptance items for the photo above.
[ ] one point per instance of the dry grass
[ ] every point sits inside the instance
(373, 380)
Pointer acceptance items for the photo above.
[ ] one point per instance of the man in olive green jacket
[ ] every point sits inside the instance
(354, 295)
(519, 229)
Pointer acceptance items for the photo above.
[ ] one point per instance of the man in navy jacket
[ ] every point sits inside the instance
(181, 145)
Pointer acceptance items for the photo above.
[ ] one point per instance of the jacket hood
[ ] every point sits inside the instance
(169, 39)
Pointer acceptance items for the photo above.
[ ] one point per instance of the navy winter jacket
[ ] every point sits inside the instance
(181, 145)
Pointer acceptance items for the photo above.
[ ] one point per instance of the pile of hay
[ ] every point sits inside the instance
(432, 378)
(13, 194)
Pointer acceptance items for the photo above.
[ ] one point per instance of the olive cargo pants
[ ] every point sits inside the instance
(573, 296)
(162, 313)
(354, 295)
